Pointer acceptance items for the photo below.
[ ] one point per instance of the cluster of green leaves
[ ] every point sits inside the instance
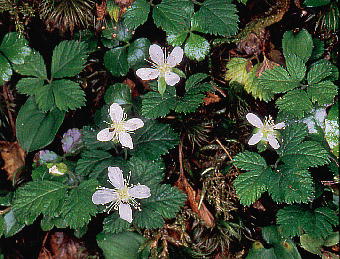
(182, 24)
(155, 105)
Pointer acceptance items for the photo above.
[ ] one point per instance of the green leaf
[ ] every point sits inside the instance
(124, 245)
(30, 86)
(315, 244)
(291, 185)
(295, 220)
(115, 61)
(161, 85)
(137, 14)
(291, 107)
(68, 58)
(5, 70)
(323, 92)
(316, 3)
(90, 159)
(196, 47)
(38, 197)
(138, 52)
(12, 226)
(250, 161)
(118, 93)
(153, 140)
(34, 65)
(68, 95)
(44, 97)
(217, 17)
(36, 129)
(296, 67)
(15, 47)
(171, 18)
(300, 44)
(318, 50)
(155, 105)
(177, 39)
(78, 207)
(114, 224)
(277, 80)
(194, 81)
(332, 129)
(293, 135)
(322, 70)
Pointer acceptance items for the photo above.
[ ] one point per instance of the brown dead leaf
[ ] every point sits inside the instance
(266, 64)
(13, 156)
(124, 3)
(211, 98)
(194, 200)
(132, 86)
(101, 10)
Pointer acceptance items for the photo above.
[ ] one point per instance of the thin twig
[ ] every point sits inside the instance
(7, 98)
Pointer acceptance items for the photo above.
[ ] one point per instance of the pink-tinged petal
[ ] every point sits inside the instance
(125, 139)
(133, 124)
(280, 125)
(156, 54)
(116, 177)
(273, 141)
(147, 73)
(116, 112)
(171, 78)
(105, 135)
(254, 120)
(125, 212)
(104, 196)
(255, 138)
(140, 192)
(175, 57)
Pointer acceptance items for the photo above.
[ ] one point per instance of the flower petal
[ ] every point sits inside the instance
(175, 57)
(125, 139)
(133, 124)
(105, 135)
(125, 212)
(255, 138)
(115, 175)
(140, 192)
(254, 120)
(171, 78)
(104, 196)
(273, 141)
(280, 125)
(156, 54)
(116, 112)
(147, 73)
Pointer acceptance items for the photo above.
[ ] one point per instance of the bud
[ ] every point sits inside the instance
(71, 141)
(58, 169)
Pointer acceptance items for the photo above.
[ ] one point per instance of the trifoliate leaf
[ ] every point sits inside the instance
(300, 44)
(250, 185)
(114, 224)
(34, 65)
(156, 105)
(196, 47)
(89, 159)
(291, 107)
(173, 16)
(118, 93)
(291, 185)
(115, 61)
(322, 92)
(67, 95)
(125, 245)
(250, 161)
(177, 39)
(153, 140)
(38, 197)
(138, 52)
(68, 58)
(322, 70)
(295, 220)
(15, 47)
(30, 85)
(5, 70)
(36, 129)
(277, 80)
(296, 67)
(137, 14)
(217, 17)
(78, 207)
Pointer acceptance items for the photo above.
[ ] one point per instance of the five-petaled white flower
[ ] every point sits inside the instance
(119, 129)
(122, 196)
(162, 65)
(265, 131)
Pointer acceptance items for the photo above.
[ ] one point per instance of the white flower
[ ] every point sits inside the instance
(162, 65)
(266, 131)
(122, 196)
(119, 129)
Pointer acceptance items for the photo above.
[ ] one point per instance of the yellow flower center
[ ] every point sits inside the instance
(123, 193)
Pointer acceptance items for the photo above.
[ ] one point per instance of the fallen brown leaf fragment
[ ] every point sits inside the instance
(13, 156)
